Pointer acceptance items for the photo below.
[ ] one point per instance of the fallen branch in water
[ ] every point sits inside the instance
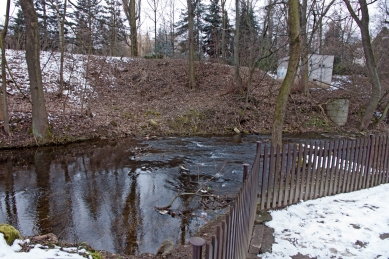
(183, 194)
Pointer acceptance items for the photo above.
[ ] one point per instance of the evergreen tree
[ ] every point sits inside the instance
(212, 30)
(182, 30)
(48, 24)
(112, 29)
(163, 43)
(249, 39)
(229, 41)
(17, 31)
(88, 19)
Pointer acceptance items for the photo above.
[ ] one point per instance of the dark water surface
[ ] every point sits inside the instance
(104, 193)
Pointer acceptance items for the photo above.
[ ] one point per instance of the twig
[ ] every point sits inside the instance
(20, 90)
(182, 194)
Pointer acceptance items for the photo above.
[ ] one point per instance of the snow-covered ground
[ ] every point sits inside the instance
(39, 251)
(77, 82)
(352, 225)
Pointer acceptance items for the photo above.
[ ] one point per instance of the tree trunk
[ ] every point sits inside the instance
(3, 100)
(192, 75)
(223, 4)
(363, 25)
(45, 31)
(133, 30)
(172, 39)
(304, 76)
(295, 47)
(39, 114)
(236, 43)
(61, 21)
(130, 12)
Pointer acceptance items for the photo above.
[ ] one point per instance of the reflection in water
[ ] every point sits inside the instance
(42, 161)
(10, 201)
(104, 193)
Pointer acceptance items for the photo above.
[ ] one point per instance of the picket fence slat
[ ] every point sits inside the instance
(285, 175)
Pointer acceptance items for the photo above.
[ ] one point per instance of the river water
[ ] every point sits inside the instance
(104, 193)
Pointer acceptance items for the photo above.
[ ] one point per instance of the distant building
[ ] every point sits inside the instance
(319, 69)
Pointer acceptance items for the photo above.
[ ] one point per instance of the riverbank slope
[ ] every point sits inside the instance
(107, 97)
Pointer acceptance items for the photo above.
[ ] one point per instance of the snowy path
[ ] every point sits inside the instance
(351, 225)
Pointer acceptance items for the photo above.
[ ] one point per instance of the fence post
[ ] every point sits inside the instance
(197, 245)
(370, 161)
(258, 148)
(245, 171)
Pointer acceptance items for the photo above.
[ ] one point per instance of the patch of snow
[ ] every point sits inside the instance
(37, 252)
(78, 88)
(350, 225)
(272, 75)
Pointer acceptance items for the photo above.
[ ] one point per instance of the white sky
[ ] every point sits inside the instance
(146, 22)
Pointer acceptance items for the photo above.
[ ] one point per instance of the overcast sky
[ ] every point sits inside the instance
(147, 23)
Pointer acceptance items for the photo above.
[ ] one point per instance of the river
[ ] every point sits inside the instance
(105, 192)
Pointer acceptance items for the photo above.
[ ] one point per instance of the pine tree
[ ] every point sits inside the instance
(48, 24)
(249, 39)
(88, 21)
(163, 43)
(229, 40)
(212, 30)
(17, 31)
(112, 29)
(182, 30)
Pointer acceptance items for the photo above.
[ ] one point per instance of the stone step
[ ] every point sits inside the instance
(256, 239)
(267, 240)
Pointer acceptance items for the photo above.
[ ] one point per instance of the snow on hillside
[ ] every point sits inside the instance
(76, 66)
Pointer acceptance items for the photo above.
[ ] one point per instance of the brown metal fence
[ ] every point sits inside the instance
(321, 168)
(233, 234)
(283, 176)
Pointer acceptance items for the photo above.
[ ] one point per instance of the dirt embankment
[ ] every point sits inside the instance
(151, 97)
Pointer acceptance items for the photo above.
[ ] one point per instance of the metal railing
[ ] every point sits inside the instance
(233, 234)
(284, 176)
(321, 168)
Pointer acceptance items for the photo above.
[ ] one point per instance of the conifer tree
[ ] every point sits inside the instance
(212, 30)
(88, 22)
(198, 27)
(113, 29)
(17, 31)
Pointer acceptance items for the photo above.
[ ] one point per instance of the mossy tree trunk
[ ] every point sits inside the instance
(39, 114)
(294, 56)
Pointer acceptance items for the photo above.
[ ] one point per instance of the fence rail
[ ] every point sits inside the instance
(320, 168)
(283, 176)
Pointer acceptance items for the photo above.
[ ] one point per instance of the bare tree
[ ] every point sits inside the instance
(192, 4)
(224, 28)
(61, 25)
(154, 5)
(363, 24)
(295, 48)
(3, 100)
(236, 43)
(317, 10)
(132, 12)
(40, 124)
